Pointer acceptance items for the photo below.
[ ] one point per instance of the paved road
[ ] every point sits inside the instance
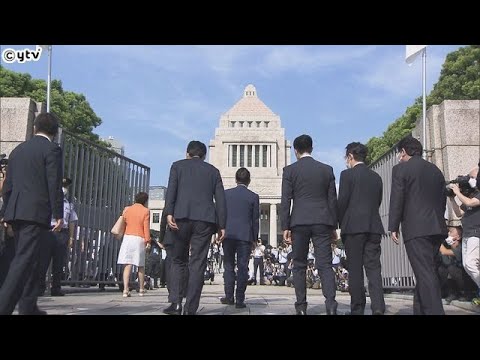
(260, 300)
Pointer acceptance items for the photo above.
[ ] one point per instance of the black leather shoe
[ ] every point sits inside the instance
(301, 312)
(57, 293)
(186, 312)
(227, 301)
(332, 310)
(378, 312)
(240, 305)
(173, 309)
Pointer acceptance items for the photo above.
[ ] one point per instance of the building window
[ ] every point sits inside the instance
(242, 155)
(258, 123)
(257, 155)
(266, 124)
(264, 162)
(264, 215)
(234, 155)
(249, 155)
(156, 218)
(249, 124)
(241, 124)
(156, 193)
(232, 124)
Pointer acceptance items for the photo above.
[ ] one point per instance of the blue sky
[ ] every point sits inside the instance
(155, 99)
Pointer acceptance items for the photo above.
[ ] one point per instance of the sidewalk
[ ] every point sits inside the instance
(260, 300)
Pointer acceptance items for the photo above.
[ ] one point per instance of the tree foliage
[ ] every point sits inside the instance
(459, 80)
(73, 109)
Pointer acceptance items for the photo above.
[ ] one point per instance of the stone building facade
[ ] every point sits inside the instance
(250, 135)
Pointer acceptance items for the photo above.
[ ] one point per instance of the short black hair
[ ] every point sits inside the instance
(303, 144)
(478, 176)
(196, 148)
(47, 123)
(242, 176)
(66, 182)
(411, 145)
(358, 151)
(141, 198)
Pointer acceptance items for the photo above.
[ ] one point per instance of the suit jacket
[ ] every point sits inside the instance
(418, 199)
(311, 186)
(243, 209)
(33, 186)
(359, 198)
(192, 186)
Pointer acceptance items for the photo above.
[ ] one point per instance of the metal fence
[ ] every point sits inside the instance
(103, 183)
(396, 270)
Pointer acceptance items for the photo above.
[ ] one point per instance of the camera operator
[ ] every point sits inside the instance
(469, 211)
(456, 283)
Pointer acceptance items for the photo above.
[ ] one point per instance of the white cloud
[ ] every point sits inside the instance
(311, 58)
(333, 157)
(388, 73)
(224, 58)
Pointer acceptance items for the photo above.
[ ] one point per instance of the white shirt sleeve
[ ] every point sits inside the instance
(73, 214)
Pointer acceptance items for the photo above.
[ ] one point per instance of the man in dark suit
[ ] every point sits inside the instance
(417, 201)
(194, 217)
(311, 186)
(359, 199)
(243, 209)
(32, 195)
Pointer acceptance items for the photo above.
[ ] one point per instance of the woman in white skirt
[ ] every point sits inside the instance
(135, 240)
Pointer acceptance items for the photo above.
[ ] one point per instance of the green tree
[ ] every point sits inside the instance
(73, 109)
(459, 80)
(460, 77)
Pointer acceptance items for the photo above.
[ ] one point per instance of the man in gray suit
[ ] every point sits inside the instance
(193, 217)
(240, 234)
(311, 186)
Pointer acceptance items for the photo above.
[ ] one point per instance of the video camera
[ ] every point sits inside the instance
(462, 181)
(3, 161)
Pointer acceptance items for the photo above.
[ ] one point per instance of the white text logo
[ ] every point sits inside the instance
(11, 55)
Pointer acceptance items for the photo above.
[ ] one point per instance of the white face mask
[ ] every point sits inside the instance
(399, 157)
(473, 183)
(347, 163)
(449, 240)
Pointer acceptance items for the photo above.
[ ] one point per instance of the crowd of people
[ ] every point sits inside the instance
(39, 219)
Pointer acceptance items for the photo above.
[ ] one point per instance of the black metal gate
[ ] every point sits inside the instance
(103, 183)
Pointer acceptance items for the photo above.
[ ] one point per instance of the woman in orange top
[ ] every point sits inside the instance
(136, 238)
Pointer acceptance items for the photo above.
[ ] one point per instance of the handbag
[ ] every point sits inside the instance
(119, 228)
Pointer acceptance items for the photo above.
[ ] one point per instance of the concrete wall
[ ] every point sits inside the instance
(156, 206)
(16, 121)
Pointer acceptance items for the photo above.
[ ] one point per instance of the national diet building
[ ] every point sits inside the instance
(251, 135)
